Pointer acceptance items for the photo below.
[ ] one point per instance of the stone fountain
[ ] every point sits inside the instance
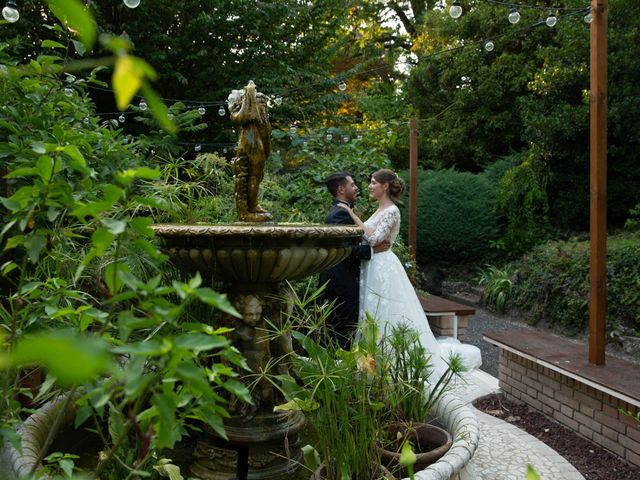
(253, 258)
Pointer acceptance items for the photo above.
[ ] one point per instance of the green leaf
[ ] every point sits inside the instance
(199, 342)
(126, 177)
(194, 377)
(531, 473)
(112, 278)
(52, 44)
(116, 227)
(127, 80)
(75, 15)
(166, 407)
(34, 245)
(407, 455)
(66, 465)
(150, 348)
(167, 469)
(215, 299)
(159, 109)
(311, 457)
(71, 358)
(45, 168)
(101, 240)
(207, 414)
(81, 49)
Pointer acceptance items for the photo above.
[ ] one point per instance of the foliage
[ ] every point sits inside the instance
(412, 390)
(497, 284)
(336, 391)
(456, 219)
(522, 199)
(552, 283)
(633, 222)
(99, 324)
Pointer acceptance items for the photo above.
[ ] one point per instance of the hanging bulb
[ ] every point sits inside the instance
(222, 111)
(588, 18)
(329, 137)
(456, 10)
(143, 105)
(389, 133)
(115, 123)
(10, 12)
(68, 91)
(86, 120)
(202, 110)
(278, 100)
(551, 19)
(342, 86)
(132, 3)
(293, 130)
(514, 15)
(345, 139)
(121, 118)
(225, 150)
(359, 137)
(489, 46)
(198, 147)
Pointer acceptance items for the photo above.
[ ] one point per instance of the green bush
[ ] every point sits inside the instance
(456, 219)
(553, 284)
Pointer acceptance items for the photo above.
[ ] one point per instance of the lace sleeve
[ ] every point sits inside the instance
(388, 219)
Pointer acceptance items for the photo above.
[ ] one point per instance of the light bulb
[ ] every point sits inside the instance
(345, 139)
(86, 120)
(293, 130)
(198, 147)
(68, 91)
(588, 18)
(121, 118)
(132, 3)
(342, 86)
(456, 10)
(202, 110)
(10, 12)
(551, 20)
(115, 123)
(225, 150)
(278, 100)
(489, 46)
(329, 137)
(359, 137)
(389, 133)
(143, 105)
(514, 15)
(222, 111)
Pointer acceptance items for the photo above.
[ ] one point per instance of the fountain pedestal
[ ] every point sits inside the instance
(252, 261)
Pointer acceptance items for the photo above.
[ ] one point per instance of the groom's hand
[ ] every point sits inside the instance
(382, 246)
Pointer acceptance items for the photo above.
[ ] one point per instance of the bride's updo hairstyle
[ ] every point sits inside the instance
(396, 184)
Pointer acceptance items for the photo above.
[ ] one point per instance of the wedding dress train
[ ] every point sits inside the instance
(388, 295)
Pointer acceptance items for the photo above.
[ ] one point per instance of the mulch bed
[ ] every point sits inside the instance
(591, 460)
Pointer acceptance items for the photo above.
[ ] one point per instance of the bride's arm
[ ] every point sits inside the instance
(388, 219)
(358, 222)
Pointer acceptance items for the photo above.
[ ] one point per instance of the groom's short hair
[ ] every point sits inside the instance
(334, 180)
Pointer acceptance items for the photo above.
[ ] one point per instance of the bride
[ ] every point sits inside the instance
(385, 290)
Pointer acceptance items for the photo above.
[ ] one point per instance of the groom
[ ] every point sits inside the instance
(343, 279)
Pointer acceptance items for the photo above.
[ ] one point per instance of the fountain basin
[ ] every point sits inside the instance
(244, 253)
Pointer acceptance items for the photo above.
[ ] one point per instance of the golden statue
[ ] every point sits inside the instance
(248, 109)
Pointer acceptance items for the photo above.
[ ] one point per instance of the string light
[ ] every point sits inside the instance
(131, 3)
(68, 91)
(588, 18)
(293, 130)
(202, 110)
(278, 100)
(198, 147)
(222, 111)
(489, 46)
(329, 137)
(10, 12)
(455, 10)
(514, 15)
(389, 133)
(142, 105)
(342, 85)
(551, 19)
(122, 118)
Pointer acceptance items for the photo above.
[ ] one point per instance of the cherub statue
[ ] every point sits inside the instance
(248, 109)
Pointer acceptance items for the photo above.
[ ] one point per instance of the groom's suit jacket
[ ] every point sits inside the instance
(343, 280)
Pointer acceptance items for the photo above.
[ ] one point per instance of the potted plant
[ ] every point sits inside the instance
(337, 390)
(411, 393)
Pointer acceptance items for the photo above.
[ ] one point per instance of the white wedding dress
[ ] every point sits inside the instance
(388, 295)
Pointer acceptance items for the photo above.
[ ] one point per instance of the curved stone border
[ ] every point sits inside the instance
(33, 433)
(460, 421)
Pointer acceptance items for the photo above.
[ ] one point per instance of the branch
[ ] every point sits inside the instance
(406, 22)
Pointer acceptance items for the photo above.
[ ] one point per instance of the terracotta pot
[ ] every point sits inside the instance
(429, 442)
(320, 474)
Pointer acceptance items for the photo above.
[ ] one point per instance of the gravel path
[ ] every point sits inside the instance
(484, 321)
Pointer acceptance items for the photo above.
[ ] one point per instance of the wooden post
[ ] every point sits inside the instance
(598, 183)
(413, 186)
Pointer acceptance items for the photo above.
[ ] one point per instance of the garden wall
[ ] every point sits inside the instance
(575, 404)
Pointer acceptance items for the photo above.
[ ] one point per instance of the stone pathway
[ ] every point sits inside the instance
(504, 449)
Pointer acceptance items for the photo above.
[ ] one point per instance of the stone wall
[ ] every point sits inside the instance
(589, 412)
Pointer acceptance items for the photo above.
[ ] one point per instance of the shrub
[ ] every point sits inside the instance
(553, 284)
(456, 220)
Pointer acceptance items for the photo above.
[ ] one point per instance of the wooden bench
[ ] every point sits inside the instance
(553, 375)
(446, 317)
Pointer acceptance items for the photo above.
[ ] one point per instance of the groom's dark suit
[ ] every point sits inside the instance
(343, 281)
